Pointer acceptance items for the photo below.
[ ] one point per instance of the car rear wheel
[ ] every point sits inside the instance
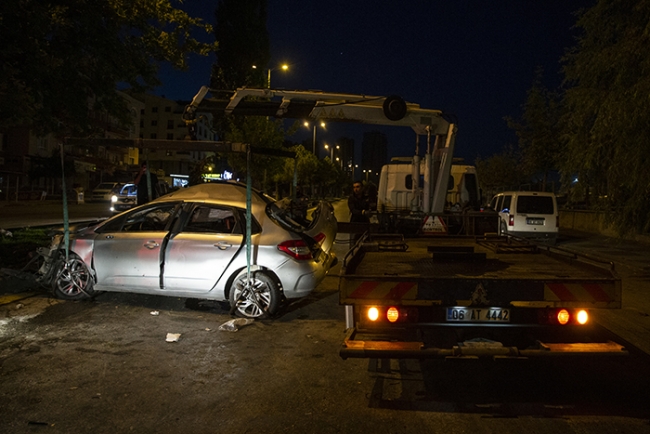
(260, 298)
(72, 280)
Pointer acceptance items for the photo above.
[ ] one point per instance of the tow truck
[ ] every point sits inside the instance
(425, 293)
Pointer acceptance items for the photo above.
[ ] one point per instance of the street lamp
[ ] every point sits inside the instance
(322, 124)
(283, 67)
(331, 148)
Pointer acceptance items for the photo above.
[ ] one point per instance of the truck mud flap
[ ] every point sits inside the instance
(418, 350)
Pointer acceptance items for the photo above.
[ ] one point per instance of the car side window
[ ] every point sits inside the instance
(507, 200)
(149, 220)
(212, 219)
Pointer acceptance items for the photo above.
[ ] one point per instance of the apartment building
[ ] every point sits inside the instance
(161, 118)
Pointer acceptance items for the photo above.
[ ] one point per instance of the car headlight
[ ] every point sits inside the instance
(114, 199)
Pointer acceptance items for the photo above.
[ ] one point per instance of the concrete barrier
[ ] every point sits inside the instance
(594, 222)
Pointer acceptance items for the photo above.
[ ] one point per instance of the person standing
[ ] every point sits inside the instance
(358, 204)
(143, 186)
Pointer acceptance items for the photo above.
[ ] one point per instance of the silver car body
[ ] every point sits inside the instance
(191, 243)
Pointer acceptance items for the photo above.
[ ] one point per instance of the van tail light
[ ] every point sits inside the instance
(297, 249)
(511, 220)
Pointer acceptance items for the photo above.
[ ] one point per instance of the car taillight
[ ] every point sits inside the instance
(511, 220)
(320, 238)
(297, 249)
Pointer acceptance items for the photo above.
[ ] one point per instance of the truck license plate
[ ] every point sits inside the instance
(535, 221)
(478, 314)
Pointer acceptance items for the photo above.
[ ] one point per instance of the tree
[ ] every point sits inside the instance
(538, 130)
(62, 60)
(258, 131)
(500, 172)
(243, 43)
(606, 119)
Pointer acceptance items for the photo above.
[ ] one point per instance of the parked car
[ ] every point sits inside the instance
(528, 214)
(104, 191)
(192, 243)
(126, 198)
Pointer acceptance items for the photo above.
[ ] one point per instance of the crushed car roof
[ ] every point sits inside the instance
(226, 192)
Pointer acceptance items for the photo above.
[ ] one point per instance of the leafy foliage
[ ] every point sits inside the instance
(606, 124)
(63, 59)
(244, 43)
(500, 172)
(538, 130)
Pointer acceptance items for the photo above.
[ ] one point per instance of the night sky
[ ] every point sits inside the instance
(473, 59)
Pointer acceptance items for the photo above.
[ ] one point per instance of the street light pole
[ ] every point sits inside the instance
(283, 67)
(322, 124)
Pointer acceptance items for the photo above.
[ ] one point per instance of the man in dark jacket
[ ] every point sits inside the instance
(143, 187)
(358, 205)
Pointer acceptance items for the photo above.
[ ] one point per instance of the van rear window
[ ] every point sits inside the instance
(535, 205)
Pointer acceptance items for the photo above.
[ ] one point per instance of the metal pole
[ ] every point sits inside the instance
(249, 192)
(314, 143)
(268, 79)
(66, 221)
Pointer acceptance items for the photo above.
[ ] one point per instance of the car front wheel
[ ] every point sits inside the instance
(259, 298)
(72, 280)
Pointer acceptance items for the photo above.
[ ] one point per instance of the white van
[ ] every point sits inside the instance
(527, 214)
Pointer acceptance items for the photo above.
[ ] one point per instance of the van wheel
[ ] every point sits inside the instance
(503, 229)
(261, 298)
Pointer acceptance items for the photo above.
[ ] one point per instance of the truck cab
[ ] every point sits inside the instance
(396, 190)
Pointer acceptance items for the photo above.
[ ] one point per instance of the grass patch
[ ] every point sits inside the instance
(17, 250)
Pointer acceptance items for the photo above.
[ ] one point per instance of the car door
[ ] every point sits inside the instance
(197, 256)
(127, 250)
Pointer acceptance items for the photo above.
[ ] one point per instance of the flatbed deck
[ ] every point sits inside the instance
(448, 271)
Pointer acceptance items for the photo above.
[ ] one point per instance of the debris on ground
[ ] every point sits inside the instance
(173, 337)
(234, 324)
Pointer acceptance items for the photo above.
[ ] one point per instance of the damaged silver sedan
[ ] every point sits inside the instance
(192, 243)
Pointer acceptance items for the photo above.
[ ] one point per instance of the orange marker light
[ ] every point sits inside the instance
(392, 314)
(563, 316)
(583, 317)
(373, 314)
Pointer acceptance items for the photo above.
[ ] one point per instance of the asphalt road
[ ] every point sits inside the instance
(106, 367)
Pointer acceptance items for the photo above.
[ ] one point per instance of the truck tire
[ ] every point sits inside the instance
(72, 280)
(261, 300)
